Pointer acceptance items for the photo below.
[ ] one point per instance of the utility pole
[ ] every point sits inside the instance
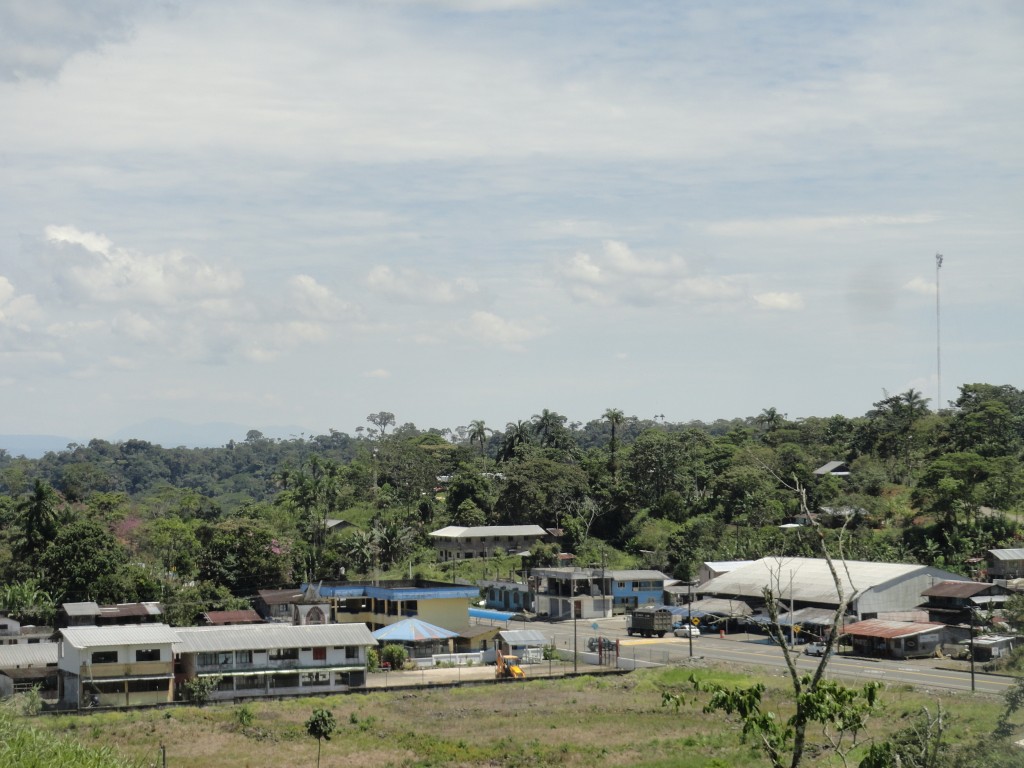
(689, 614)
(938, 335)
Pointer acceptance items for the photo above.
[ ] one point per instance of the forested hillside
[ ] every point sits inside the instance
(206, 528)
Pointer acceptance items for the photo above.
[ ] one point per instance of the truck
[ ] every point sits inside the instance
(649, 621)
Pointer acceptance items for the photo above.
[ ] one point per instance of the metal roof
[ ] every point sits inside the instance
(247, 637)
(647, 575)
(1007, 554)
(81, 609)
(890, 629)
(412, 631)
(720, 607)
(125, 634)
(524, 638)
(809, 579)
(956, 589)
(28, 655)
(432, 591)
(460, 532)
(127, 610)
(243, 616)
(726, 565)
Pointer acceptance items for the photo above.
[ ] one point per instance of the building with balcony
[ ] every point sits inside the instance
(457, 542)
(275, 659)
(590, 593)
(115, 666)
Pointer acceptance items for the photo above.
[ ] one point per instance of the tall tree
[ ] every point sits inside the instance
(37, 513)
(382, 420)
(478, 433)
(614, 417)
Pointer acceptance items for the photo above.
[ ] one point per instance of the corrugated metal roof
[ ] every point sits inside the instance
(125, 634)
(525, 638)
(81, 609)
(28, 655)
(726, 565)
(1007, 554)
(720, 607)
(889, 629)
(642, 575)
(411, 631)
(459, 532)
(244, 616)
(956, 589)
(246, 637)
(810, 578)
(128, 610)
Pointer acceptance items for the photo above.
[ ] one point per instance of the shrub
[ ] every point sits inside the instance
(395, 655)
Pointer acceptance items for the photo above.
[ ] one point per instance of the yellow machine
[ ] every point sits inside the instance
(508, 666)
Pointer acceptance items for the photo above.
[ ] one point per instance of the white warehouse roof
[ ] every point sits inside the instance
(124, 634)
(811, 580)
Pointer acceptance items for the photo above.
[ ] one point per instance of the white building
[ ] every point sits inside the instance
(456, 542)
(275, 659)
(874, 589)
(117, 666)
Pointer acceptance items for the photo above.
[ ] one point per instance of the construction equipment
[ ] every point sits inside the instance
(508, 666)
(649, 621)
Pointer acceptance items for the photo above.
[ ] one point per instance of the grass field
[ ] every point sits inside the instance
(586, 721)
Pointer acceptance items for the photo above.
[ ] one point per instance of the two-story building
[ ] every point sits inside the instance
(116, 666)
(275, 659)
(1005, 563)
(457, 542)
(961, 602)
(387, 602)
(587, 593)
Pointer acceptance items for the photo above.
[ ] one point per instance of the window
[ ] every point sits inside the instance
(148, 686)
(248, 682)
(284, 654)
(243, 657)
(104, 657)
(147, 654)
(316, 678)
(319, 654)
(351, 652)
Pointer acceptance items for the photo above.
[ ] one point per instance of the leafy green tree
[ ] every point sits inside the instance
(243, 555)
(381, 420)
(469, 484)
(320, 726)
(517, 434)
(199, 689)
(81, 560)
(537, 489)
(394, 655)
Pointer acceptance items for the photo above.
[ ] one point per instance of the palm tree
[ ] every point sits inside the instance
(914, 403)
(38, 512)
(516, 434)
(478, 433)
(547, 425)
(614, 417)
(770, 419)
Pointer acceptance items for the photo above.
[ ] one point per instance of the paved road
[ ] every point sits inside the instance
(755, 650)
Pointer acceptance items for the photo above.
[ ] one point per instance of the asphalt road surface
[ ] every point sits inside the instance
(756, 650)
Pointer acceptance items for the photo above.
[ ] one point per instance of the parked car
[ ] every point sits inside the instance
(606, 643)
(815, 649)
(686, 630)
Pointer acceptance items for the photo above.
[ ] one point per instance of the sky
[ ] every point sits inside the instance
(300, 213)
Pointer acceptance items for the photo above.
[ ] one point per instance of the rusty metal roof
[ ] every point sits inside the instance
(956, 589)
(890, 629)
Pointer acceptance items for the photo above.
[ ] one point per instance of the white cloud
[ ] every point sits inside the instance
(16, 310)
(921, 286)
(97, 271)
(316, 300)
(378, 373)
(618, 275)
(489, 328)
(778, 300)
(417, 287)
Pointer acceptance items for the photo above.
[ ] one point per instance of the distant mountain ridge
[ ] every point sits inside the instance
(169, 433)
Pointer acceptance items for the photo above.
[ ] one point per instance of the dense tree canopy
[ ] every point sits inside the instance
(201, 527)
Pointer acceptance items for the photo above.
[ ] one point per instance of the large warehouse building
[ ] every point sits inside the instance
(874, 589)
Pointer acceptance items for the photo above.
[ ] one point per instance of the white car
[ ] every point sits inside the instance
(687, 630)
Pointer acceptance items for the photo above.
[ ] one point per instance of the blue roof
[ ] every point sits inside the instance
(411, 631)
(484, 613)
(433, 592)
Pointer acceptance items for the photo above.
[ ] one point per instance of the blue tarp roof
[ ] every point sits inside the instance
(433, 592)
(485, 613)
(411, 631)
